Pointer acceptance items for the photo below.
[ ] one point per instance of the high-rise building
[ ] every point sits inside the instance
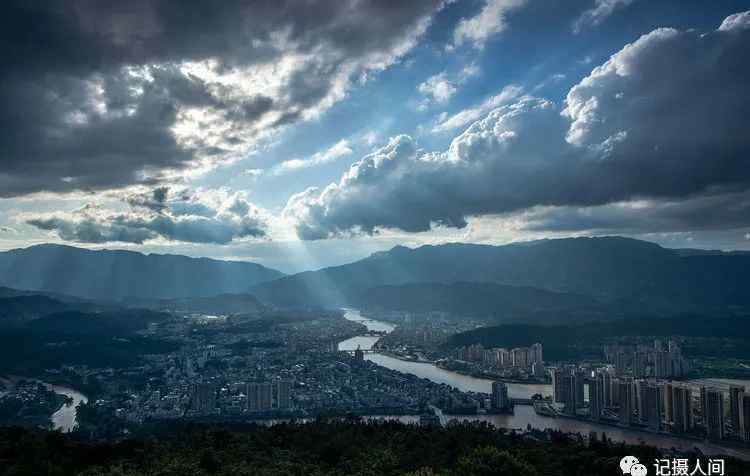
(535, 352)
(558, 385)
(504, 358)
(621, 363)
(737, 410)
(607, 389)
(626, 401)
(537, 369)
(653, 406)
(714, 413)
(662, 364)
(569, 398)
(674, 347)
(668, 402)
(682, 409)
(596, 397)
(640, 361)
(640, 400)
(746, 418)
(203, 398)
(564, 389)
(492, 357)
(500, 399)
(282, 395)
(579, 387)
(615, 388)
(259, 397)
(520, 357)
(679, 366)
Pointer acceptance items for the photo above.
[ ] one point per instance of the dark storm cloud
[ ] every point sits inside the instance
(155, 199)
(665, 119)
(91, 91)
(92, 231)
(705, 212)
(173, 216)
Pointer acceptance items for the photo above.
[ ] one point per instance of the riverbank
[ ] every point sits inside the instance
(488, 375)
(405, 358)
(524, 416)
(736, 449)
(28, 402)
(65, 419)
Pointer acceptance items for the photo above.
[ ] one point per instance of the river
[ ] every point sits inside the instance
(523, 415)
(64, 419)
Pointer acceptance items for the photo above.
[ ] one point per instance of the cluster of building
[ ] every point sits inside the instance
(242, 369)
(530, 359)
(656, 404)
(421, 338)
(645, 360)
(255, 397)
(498, 402)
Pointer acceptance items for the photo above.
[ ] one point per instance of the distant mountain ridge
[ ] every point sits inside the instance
(118, 275)
(19, 307)
(14, 293)
(23, 308)
(609, 269)
(621, 274)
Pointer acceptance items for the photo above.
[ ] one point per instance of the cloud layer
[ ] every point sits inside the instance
(339, 149)
(664, 119)
(98, 95)
(598, 13)
(490, 21)
(217, 218)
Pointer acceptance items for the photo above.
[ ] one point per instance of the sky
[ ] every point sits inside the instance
(309, 134)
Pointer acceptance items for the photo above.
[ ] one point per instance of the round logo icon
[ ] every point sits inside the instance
(627, 463)
(638, 470)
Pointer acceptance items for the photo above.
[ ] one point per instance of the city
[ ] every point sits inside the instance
(637, 391)
(238, 368)
(375, 238)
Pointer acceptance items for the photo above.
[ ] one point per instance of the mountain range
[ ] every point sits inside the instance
(120, 275)
(532, 280)
(626, 273)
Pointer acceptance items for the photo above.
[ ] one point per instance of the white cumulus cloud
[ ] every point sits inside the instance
(490, 21)
(216, 217)
(665, 119)
(341, 148)
(601, 10)
(469, 115)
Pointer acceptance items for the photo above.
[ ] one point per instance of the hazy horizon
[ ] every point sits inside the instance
(317, 137)
(145, 251)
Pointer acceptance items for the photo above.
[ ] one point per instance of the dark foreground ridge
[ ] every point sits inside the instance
(324, 448)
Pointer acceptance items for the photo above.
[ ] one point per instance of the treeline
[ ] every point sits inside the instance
(571, 341)
(487, 300)
(334, 448)
(24, 353)
(73, 337)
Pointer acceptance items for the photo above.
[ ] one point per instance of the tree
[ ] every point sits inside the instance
(489, 461)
